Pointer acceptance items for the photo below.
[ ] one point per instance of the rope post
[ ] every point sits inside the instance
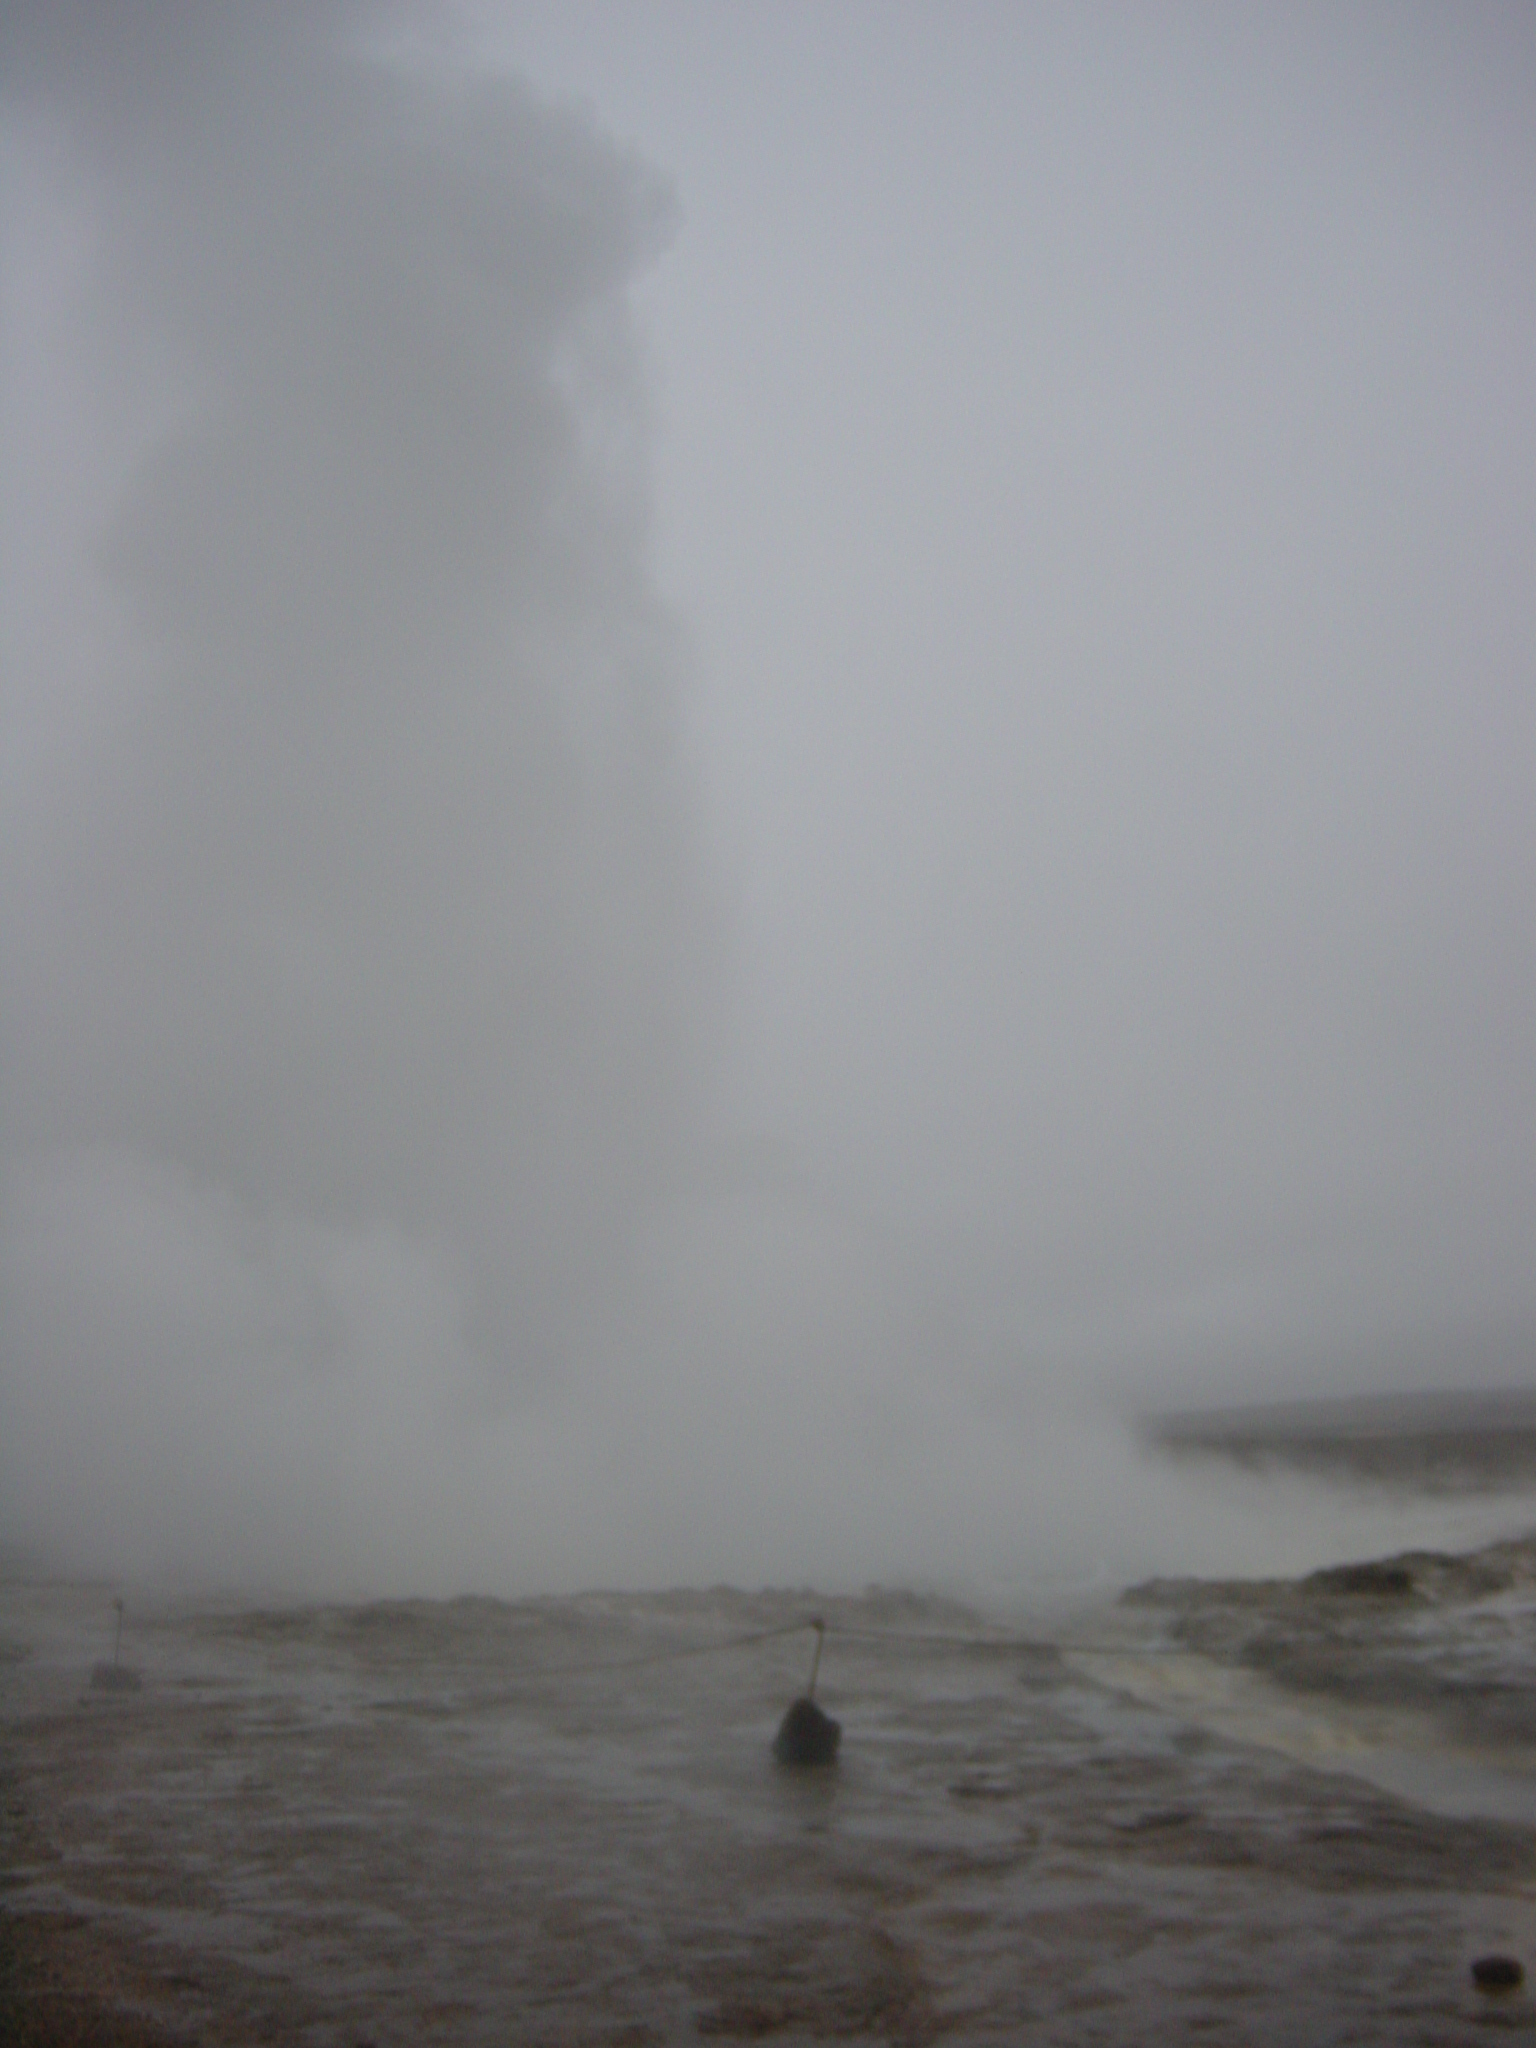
(821, 1631)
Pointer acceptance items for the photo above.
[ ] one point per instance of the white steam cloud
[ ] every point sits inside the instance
(1098, 477)
(361, 963)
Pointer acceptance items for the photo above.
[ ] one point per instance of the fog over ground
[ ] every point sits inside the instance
(752, 759)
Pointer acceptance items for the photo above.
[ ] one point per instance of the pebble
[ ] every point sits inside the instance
(1497, 1973)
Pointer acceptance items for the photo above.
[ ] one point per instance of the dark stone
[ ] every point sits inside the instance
(1497, 1973)
(807, 1735)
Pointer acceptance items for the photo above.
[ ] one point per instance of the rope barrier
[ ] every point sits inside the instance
(674, 1655)
(1025, 1645)
(939, 1638)
(973, 1644)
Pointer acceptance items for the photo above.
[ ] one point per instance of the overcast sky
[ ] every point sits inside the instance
(741, 747)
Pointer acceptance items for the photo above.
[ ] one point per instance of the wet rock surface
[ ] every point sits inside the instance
(1450, 1636)
(422, 1824)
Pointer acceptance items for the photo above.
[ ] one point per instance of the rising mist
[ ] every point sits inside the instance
(1143, 977)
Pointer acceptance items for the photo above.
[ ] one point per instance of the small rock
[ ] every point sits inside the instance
(1497, 1973)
